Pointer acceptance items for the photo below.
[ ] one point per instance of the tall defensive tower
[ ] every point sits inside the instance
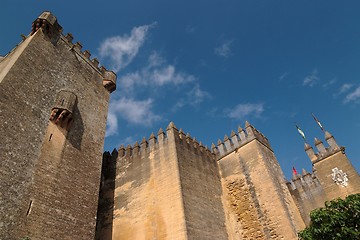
(333, 177)
(333, 169)
(257, 202)
(53, 102)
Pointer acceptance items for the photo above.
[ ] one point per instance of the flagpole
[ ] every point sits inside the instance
(301, 133)
(319, 123)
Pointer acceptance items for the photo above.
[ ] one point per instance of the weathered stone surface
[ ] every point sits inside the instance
(254, 193)
(53, 108)
(49, 174)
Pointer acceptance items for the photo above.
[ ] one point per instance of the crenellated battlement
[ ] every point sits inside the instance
(303, 180)
(322, 150)
(236, 140)
(161, 140)
(194, 145)
(307, 192)
(50, 27)
(109, 77)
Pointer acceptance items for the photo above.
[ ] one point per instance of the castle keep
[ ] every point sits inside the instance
(57, 184)
(53, 102)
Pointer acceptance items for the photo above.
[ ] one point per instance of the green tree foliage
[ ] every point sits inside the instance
(339, 219)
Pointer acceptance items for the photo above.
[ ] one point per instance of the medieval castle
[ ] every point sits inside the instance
(57, 184)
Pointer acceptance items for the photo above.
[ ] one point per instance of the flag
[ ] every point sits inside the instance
(318, 122)
(294, 171)
(301, 132)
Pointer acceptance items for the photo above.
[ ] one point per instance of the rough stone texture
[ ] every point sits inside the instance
(49, 175)
(254, 193)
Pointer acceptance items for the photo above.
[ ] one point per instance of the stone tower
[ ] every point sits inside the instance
(332, 167)
(53, 102)
(333, 177)
(257, 202)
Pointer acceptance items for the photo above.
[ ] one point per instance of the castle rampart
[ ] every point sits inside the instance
(307, 192)
(230, 176)
(238, 140)
(168, 175)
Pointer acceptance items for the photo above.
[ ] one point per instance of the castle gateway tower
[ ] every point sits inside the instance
(53, 102)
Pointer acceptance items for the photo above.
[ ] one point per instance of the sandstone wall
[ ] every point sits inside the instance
(256, 200)
(307, 193)
(201, 190)
(323, 170)
(148, 202)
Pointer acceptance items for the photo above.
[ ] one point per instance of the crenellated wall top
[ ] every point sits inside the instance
(236, 140)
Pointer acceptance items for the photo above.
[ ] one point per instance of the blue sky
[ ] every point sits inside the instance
(210, 65)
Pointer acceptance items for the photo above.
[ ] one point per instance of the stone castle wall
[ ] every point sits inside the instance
(201, 190)
(185, 191)
(172, 187)
(256, 200)
(148, 202)
(307, 192)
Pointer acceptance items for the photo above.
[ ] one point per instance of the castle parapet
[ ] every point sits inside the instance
(48, 24)
(303, 182)
(161, 140)
(323, 151)
(238, 139)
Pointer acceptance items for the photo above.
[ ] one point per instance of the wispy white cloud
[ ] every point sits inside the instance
(194, 98)
(121, 50)
(138, 112)
(311, 79)
(111, 124)
(197, 95)
(353, 96)
(155, 60)
(243, 110)
(224, 50)
(156, 73)
(283, 76)
(345, 87)
(329, 83)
